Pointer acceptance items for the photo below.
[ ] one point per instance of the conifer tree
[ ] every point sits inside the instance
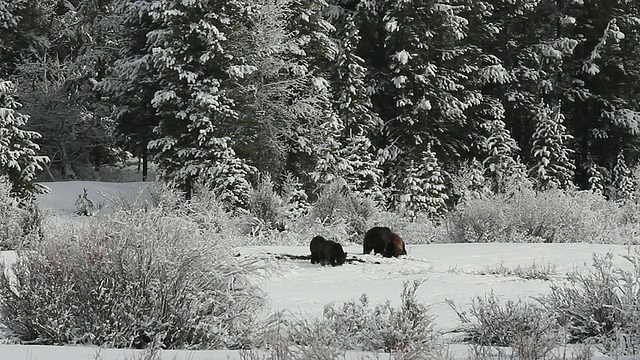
(423, 190)
(189, 51)
(294, 197)
(359, 163)
(476, 184)
(131, 81)
(19, 159)
(500, 148)
(553, 168)
(623, 180)
(596, 180)
(360, 168)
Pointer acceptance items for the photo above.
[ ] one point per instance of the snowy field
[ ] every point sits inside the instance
(452, 271)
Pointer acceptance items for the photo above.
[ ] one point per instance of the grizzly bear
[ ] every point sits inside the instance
(383, 241)
(325, 252)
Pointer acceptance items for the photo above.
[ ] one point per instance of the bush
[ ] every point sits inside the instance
(550, 216)
(265, 206)
(526, 328)
(408, 329)
(146, 275)
(601, 304)
(20, 220)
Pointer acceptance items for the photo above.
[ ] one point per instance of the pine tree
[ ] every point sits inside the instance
(318, 133)
(360, 168)
(189, 51)
(19, 159)
(294, 196)
(596, 180)
(359, 163)
(476, 184)
(422, 96)
(553, 168)
(131, 81)
(623, 180)
(423, 190)
(500, 148)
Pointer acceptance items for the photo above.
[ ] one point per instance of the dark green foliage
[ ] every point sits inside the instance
(332, 89)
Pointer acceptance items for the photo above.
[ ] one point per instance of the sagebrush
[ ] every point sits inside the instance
(144, 277)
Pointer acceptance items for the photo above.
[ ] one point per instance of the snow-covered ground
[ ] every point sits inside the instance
(452, 271)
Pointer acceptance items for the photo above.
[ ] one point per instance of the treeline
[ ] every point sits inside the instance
(394, 97)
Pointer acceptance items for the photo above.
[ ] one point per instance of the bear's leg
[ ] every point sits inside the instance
(366, 249)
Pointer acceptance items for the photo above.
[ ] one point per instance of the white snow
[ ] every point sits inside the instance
(452, 271)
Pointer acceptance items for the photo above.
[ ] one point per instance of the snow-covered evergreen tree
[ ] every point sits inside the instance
(131, 81)
(500, 148)
(423, 190)
(360, 167)
(294, 196)
(623, 180)
(359, 163)
(19, 159)
(423, 97)
(190, 52)
(596, 180)
(476, 186)
(553, 167)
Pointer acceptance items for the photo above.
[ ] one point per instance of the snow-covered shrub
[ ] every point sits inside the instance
(162, 275)
(407, 329)
(528, 216)
(530, 272)
(20, 220)
(526, 328)
(601, 304)
(337, 203)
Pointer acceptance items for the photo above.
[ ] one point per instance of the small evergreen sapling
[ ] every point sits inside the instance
(553, 168)
(623, 180)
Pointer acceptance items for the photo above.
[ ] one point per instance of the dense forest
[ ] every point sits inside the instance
(395, 97)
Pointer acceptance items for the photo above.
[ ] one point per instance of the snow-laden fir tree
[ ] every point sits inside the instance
(19, 159)
(551, 157)
(420, 85)
(189, 51)
(499, 146)
(623, 180)
(359, 163)
(131, 81)
(360, 167)
(596, 179)
(476, 185)
(319, 135)
(295, 198)
(423, 189)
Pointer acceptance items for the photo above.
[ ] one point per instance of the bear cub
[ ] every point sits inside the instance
(325, 252)
(383, 241)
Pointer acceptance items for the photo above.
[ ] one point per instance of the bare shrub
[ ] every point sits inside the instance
(407, 329)
(20, 219)
(531, 272)
(528, 216)
(601, 304)
(143, 276)
(526, 328)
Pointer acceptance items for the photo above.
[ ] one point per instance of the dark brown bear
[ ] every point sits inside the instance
(383, 241)
(325, 252)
